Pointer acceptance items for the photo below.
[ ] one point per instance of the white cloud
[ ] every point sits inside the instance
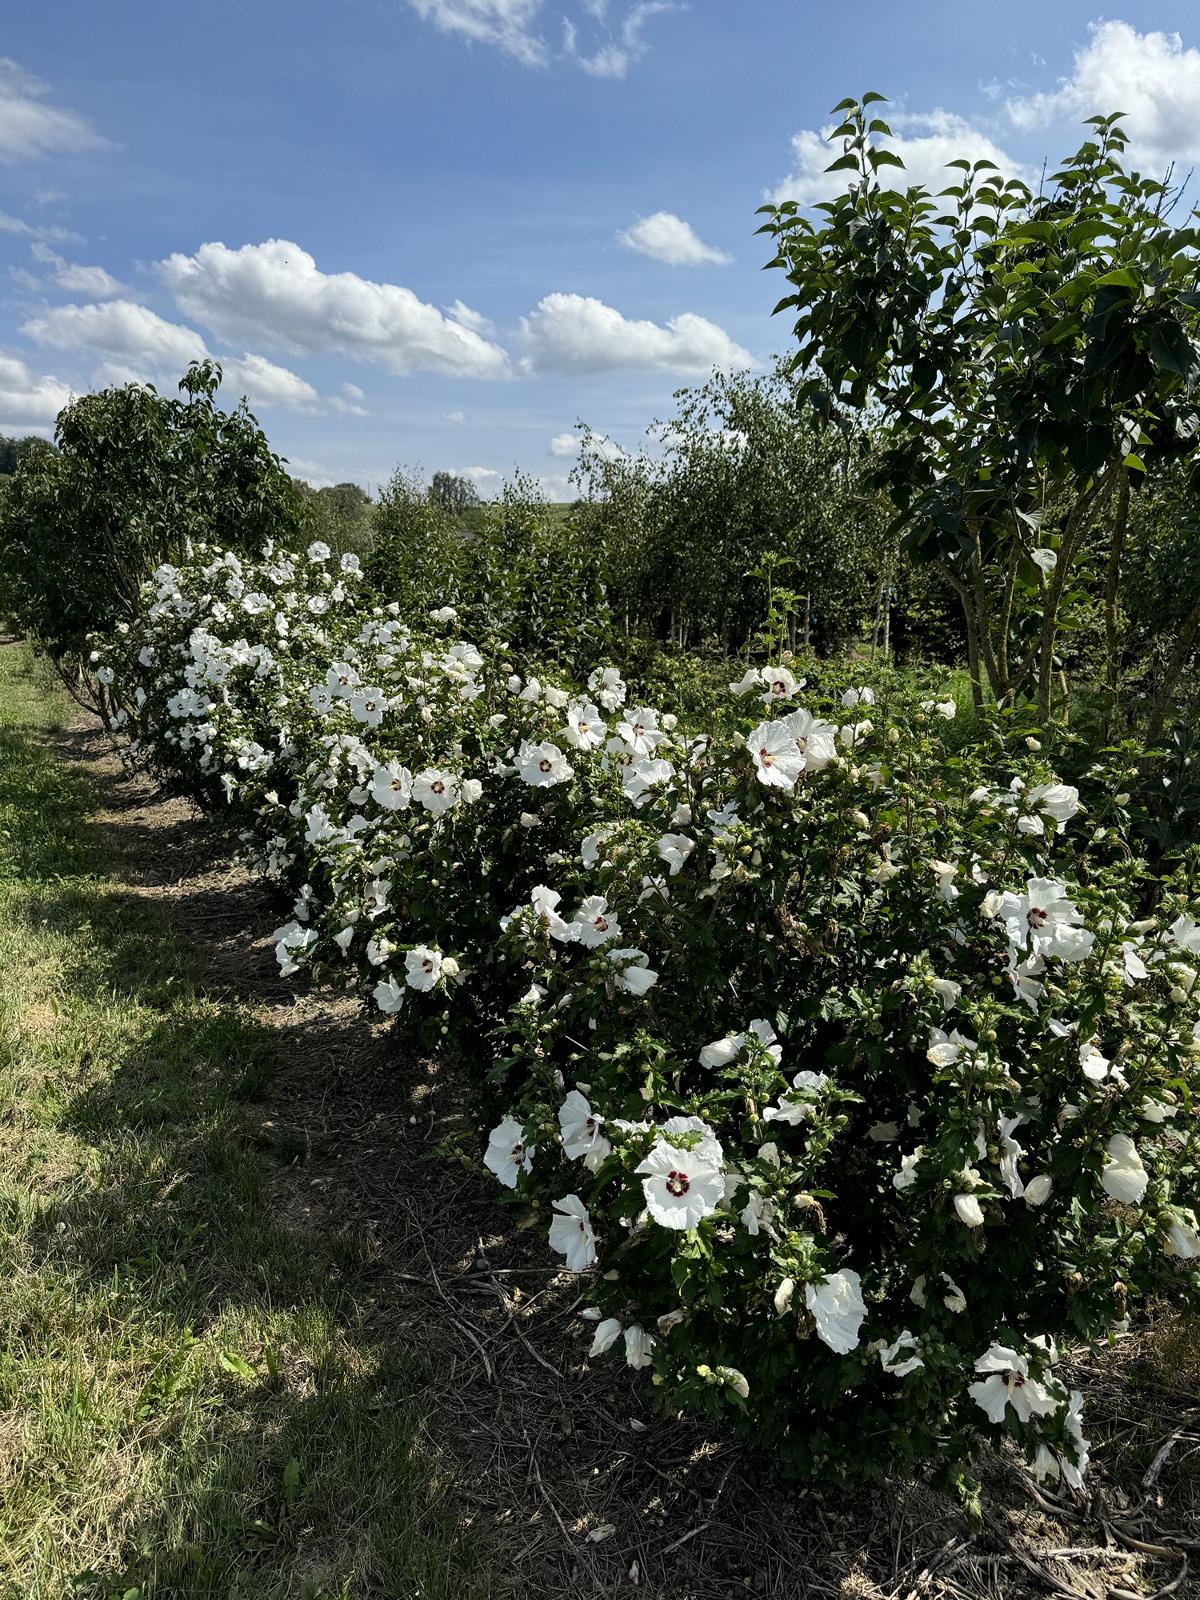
(513, 26)
(263, 383)
(509, 24)
(924, 141)
(614, 57)
(29, 127)
(137, 345)
(94, 282)
(475, 320)
(29, 230)
(1149, 76)
(669, 238)
(566, 447)
(119, 329)
(576, 333)
(26, 400)
(454, 416)
(275, 294)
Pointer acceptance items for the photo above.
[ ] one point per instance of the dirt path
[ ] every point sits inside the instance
(571, 1479)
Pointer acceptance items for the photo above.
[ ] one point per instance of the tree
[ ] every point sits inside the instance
(1030, 356)
(744, 478)
(136, 475)
(14, 450)
(342, 514)
(453, 493)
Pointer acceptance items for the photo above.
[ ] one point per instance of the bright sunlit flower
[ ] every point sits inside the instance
(571, 1233)
(507, 1154)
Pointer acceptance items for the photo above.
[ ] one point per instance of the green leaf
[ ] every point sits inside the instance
(843, 164)
(1119, 278)
(234, 1363)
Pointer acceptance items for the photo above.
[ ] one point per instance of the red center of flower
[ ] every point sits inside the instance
(517, 1154)
(397, 785)
(764, 756)
(545, 764)
(601, 925)
(437, 786)
(678, 1184)
(1038, 917)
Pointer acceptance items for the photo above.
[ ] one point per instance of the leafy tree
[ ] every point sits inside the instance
(135, 476)
(417, 552)
(14, 450)
(453, 493)
(744, 480)
(342, 514)
(1030, 357)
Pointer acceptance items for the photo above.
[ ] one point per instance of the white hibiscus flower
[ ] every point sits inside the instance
(581, 1135)
(1006, 1382)
(571, 1233)
(391, 787)
(679, 1185)
(837, 1307)
(423, 968)
(543, 765)
(507, 1154)
(1123, 1175)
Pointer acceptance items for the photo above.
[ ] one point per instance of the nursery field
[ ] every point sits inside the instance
(265, 1333)
(642, 1047)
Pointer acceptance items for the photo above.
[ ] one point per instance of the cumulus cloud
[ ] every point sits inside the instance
(669, 238)
(135, 344)
(566, 447)
(275, 294)
(31, 128)
(262, 382)
(121, 330)
(1149, 76)
(94, 282)
(454, 416)
(28, 401)
(925, 141)
(576, 333)
(475, 320)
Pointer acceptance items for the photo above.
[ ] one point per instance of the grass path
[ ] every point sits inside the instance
(189, 1403)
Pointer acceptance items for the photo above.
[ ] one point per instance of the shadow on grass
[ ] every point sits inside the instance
(198, 1405)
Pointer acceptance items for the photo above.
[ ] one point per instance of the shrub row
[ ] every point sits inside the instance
(856, 1075)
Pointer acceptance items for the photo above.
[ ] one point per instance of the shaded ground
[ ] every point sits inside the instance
(572, 1482)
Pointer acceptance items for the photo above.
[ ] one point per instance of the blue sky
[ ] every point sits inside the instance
(440, 232)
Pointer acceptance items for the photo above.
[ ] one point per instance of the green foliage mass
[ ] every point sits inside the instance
(135, 475)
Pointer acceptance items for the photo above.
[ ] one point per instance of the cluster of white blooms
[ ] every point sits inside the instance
(766, 1010)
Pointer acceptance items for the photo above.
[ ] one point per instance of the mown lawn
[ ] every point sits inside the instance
(188, 1403)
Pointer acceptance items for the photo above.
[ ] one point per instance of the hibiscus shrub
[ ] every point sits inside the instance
(857, 1074)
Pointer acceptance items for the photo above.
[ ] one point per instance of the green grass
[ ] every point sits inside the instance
(189, 1404)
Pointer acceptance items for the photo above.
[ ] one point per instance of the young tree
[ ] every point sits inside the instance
(1030, 355)
(135, 476)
